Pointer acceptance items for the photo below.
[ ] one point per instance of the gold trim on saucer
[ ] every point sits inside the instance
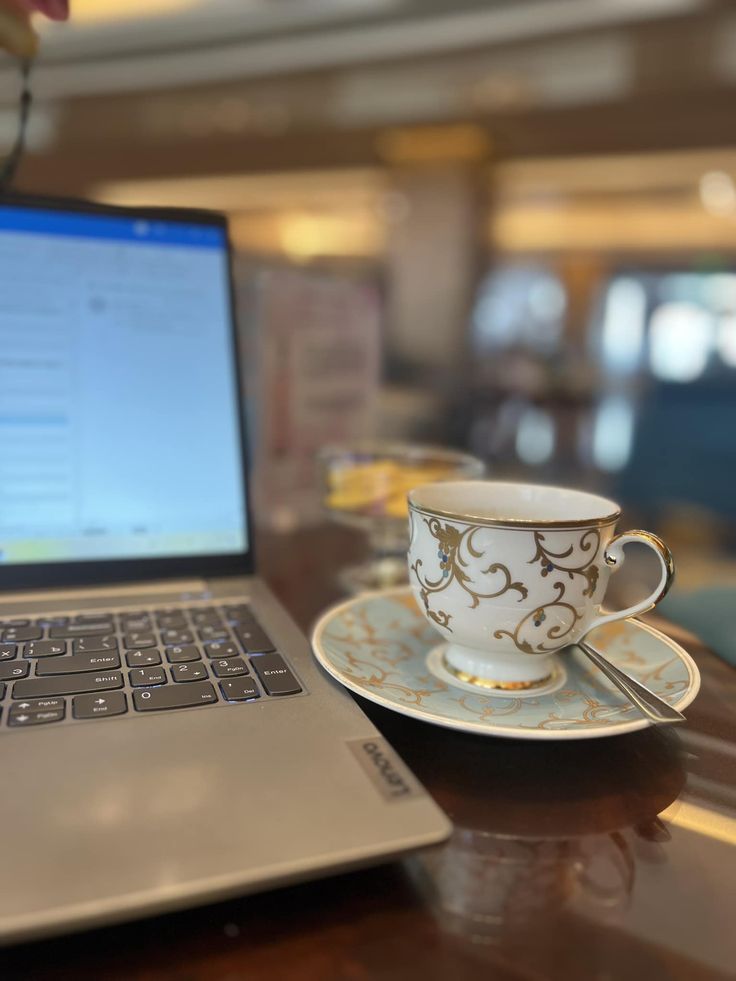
(472, 519)
(472, 679)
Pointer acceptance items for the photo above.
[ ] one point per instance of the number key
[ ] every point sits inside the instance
(136, 623)
(229, 667)
(137, 639)
(176, 637)
(189, 672)
(180, 655)
(171, 621)
(222, 648)
(213, 633)
(144, 658)
(141, 677)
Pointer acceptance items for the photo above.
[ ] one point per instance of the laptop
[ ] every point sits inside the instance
(166, 738)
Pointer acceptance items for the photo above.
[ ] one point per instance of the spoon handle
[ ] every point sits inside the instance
(649, 704)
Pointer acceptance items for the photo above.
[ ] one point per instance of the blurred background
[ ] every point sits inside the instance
(504, 226)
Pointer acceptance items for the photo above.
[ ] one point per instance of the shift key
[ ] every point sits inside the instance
(67, 685)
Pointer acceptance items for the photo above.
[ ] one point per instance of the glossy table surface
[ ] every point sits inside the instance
(607, 859)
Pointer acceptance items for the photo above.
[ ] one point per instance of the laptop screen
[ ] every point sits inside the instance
(119, 430)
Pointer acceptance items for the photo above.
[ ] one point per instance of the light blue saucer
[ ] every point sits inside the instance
(381, 647)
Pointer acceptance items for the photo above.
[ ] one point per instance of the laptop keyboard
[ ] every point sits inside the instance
(101, 665)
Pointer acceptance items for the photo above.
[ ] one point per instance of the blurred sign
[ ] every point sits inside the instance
(312, 373)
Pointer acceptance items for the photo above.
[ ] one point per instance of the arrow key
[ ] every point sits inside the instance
(95, 706)
(29, 707)
(17, 719)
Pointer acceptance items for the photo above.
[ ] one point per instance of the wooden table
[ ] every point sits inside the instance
(609, 859)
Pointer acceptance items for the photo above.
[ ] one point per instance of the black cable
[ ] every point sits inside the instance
(9, 167)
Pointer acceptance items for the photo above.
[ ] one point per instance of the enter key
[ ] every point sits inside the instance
(275, 674)
(77, 663)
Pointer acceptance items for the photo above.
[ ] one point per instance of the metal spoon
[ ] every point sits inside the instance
(649, 704)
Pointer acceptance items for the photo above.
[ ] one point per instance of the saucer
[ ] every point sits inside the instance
(381, 647)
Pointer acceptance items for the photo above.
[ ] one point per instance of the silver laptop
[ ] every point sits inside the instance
(166, 738)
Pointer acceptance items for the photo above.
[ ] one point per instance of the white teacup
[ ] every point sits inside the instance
(510, 573)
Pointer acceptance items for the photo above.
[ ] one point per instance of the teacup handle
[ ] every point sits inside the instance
(614, 556)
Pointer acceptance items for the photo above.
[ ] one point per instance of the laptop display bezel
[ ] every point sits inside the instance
(103, 571)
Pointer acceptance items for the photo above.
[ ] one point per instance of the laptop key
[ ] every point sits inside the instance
(37, 705)
(144, 658)
(136, 624)
(202, 611)
(239, 689)
(45, 648)
(35, 718)
(171, 621)
(205, 619)
(254, 639)
(229, 667)
(95, 617)
(2, 689)
(14, 669)
(174, 696)
(238, 612)
(89, 645)
(275, 674)
(51, 620)
(139, 639)
(74, 684)
(98, 706)
(181, 655)
(189, 672)
(222, 648)
(176, 637)
(213, 633)
(8, 652)
(16, 635)
(81, 630)
(142, 677)
(76, 663)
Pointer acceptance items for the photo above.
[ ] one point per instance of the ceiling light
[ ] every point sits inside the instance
(97, 11)
(718, 193)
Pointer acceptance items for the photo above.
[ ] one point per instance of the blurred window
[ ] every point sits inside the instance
(726, 340)
(680, 342)
(613, 433)
(535, 437)
(624, 325)
(519, 305)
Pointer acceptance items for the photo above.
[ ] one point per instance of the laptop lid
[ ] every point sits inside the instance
(122, 450)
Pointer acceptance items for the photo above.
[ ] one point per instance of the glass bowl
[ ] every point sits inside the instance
(365, 486)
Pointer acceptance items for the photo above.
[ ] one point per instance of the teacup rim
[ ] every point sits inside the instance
(510, 522)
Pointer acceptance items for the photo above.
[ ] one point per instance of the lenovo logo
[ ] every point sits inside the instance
(385, 769)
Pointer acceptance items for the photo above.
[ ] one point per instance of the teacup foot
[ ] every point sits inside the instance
(499, 669)
(494, 683)
(438, 666)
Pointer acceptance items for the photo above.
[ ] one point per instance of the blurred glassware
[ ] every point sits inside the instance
(365, 486)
